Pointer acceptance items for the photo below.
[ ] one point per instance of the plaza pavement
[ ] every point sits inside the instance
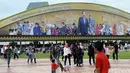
(43, 66)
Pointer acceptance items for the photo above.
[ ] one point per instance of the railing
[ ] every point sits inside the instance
(60, 38)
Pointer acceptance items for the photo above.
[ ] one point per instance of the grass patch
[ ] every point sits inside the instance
(122, 55)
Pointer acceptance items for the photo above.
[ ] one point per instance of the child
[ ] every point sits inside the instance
(54, 66)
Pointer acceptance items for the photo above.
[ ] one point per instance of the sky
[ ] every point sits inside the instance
(10, 7)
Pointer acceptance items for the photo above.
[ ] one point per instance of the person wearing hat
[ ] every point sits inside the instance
(9, 53)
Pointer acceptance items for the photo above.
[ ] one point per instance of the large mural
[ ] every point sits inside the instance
(68, 19)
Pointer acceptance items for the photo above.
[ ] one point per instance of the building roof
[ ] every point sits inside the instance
(33, 5)
(60, 7)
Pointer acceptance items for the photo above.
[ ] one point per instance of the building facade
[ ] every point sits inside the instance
(68, 13)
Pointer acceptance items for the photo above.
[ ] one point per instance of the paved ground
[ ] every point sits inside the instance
(43, 66)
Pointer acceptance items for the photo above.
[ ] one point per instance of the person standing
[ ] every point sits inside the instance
(51, 51)
(9, 53)
(102, 62)
(54, 66)
(126, 47)
(79, 54)
(29, 54)
(67, 54)
(107, 51)
(5, 55)
(54, 55)
(60, 50)
(55, 52)
(16, 52)
(83, 24)
(115, 51)
(74, 49)
(34, 54)
(82, 52)
(2, 51)
(91, 53)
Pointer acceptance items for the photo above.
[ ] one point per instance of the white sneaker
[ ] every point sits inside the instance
(75, 65)
(81, 64)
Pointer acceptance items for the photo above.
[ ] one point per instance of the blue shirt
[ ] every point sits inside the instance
(26, 29)
(19, 27)
(37, 30)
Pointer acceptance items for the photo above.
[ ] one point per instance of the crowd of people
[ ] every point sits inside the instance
(30, 52)
(67, 51)
(8, 51)
(85, 26)
(26, 28)
(76, 51)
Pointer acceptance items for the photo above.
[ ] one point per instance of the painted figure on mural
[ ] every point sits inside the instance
(107, 30)
(97, 29)
(37, 29)
(83, 24)
(31, 26)
(25, 28)
(114, 29)
(92, 25)
(74, 29)
(19, 28)
(118, 29)
(121, 29)
(48, 29)
(63, 29)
